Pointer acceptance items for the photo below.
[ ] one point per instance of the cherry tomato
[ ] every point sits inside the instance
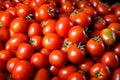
(57, 58)
(23, 70)
(42, 74)
(83, 3)
(24, 51)
(2, 65)
(117, 12)
(116, 49)
(95, 46)
(39, 60)
(114, 6)
(95, 2)
(116, 74)
(56, 78)
(8, 3)
(45, 51)
(53, 70)
(12, 10)
(52, 41)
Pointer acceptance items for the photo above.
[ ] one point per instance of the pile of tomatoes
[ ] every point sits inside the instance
(59, 40)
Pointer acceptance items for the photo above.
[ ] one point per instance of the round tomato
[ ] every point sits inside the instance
(95, 2)
(116, 49)
(45, 51)
(116, 74)
(53, 70)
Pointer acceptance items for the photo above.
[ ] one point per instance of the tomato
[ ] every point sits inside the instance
(103, 9)
(2, 77)
(2, 65)
(36, 42)
(95, 2)
(110, 59)
(114, 6)
(18, 1)
(11, 63)
(4, 34)
(77, 76)
(45, 11)
(12, 10)
(42, 74)
(57, 58)
(108, 36)
(52, 41)
(66, 71)
(23, 70)
(6, 19)
(34, 29)
(48, 26)
(115, 27)
(86, 65)
(5, 55)
(8, 3)
(77, 34)
(62, 26)
(39, 60)
(94, 78)
(116, 49)
(24, 51)
(116, 74)
(76, 54)
(95, 46)
(56, 78)
(53, 70)
(19, 25)
(117, 12)
(100, 71)
(99, 23)
(83, 3)
(13, 43)
(2, 7)
(111, 18)
(94, 33)
(45, 51)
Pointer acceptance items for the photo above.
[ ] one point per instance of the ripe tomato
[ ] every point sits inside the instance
(77, 76)
(8, 4)
(116, 49)
(42, 74)
(12, 10)
(36, 42)
(108, 36)
(95, 46)
(116, 74)
(57, 58)
(39, 60)
(5, 55)
(77, 34)
(2, 65)
(66, 71)
(83, 3)
(117, 12)
(55, 78)
(48, 26)
(52, 41)
(19, 25)
(86, 65)
(76, 54)
(45, 51)
(100, 70)
(53, 70)
(11, 63)
(24, 51)
(95, 2)
(110, 59)
(114, 6)
(13, 43)
(23, 70)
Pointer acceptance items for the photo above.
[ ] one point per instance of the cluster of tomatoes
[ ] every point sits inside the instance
(59, 40)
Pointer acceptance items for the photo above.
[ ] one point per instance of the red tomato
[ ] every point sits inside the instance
(42, 74)
(95, 2)
(56, 78)
(2, 65)
(24, 51)
(77, 34)
(95, 46)
(83, 3)
(65, 72)
(57, 58)
(117, 12)
(76, 54)
(39, 60)
(8, 3)
(62, 26)
(116, 74)
(12, 10)
(5, 55)
(45, 51)
(77, 76)
(116, 49)
(13, 43)
(23, 70)
(110, 59)
(11, 63)
(100, 70)
(53, 70)
(114, 6)
(52, 41)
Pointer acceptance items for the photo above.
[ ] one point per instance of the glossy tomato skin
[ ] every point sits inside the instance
(83, 3)
(42, 74)
(11, 63)
(110, 59)
(66, 71)
(13, 43)
(25, 72)
(13, 11)
(100, 70)
(75, 54)
(45, 51)
(62, 26)
(117, 12)
(95, 2)
(57, 58)
(116, 49)
(77, 34)
(19, 25)
(53, 70)
(39, 60)
(77, 76)
(108, 36)
(116, 74)
(52, 41)
(95, 46)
